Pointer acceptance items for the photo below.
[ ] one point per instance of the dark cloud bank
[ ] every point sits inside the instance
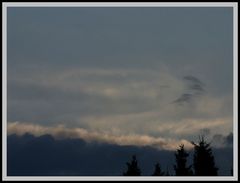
(45, 156)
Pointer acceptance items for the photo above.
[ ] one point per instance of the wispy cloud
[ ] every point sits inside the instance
(186, 97)
(194, 88)
(194, 84)
(61, 131)
(117, 101)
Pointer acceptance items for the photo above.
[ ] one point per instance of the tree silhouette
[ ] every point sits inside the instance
(203, 160)
(158, 171)
(181, 168)
(133, 169)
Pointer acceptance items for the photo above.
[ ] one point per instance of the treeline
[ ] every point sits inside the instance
(203, 163)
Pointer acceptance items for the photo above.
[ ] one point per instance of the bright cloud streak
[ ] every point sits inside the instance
(62, 132)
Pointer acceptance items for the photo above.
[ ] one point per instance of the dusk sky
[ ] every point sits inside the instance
(126, 76)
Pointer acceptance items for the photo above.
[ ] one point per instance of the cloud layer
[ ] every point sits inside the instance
(63, 132)
(119, 102)
(154, 72)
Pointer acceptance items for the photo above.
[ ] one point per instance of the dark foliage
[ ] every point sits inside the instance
(181, 168)
(203, 160)
(158, 171)
(133, 169)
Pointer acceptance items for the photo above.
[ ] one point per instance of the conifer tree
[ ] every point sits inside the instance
(133, 169)
(158, 171)
(181, 168)
(203, 160)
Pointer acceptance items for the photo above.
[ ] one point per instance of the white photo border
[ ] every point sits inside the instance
(5, 5)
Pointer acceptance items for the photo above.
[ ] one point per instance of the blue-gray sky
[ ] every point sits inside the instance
(155, 73)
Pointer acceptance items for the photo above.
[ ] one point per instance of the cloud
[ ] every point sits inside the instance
(118, 133)
(61, 131)
(157, 123)
(194, 87)
(116, 101)
(193, 79)
(84, 91)
(229, 139)
(184, 98)
(205, 131)
(219, 140)
(195, 84)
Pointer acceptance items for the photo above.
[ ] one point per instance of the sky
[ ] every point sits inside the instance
(128, 76)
